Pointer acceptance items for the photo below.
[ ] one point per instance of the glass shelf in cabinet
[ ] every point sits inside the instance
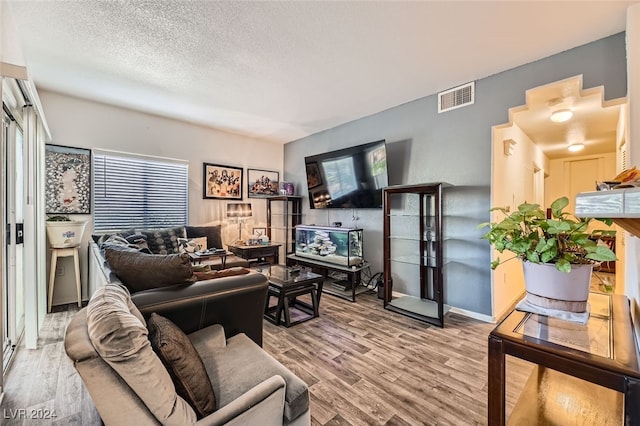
(429, 261)
(407, 238)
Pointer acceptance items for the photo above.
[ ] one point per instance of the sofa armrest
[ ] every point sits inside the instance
(263, 404)
(236, 302)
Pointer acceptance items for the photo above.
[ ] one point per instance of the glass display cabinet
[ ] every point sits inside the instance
(284, 212)
(412, 252)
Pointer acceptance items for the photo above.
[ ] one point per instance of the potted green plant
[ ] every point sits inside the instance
(64, 232)
(557, 253)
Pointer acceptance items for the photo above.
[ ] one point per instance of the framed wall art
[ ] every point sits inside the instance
(262, 183)
(222, 182)
(67, 180)
(259, 232)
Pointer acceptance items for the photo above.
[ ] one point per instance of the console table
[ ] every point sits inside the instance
(354, 274)
(197, 258)
(602, 352)
(269, 251)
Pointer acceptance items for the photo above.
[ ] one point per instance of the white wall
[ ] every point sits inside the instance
(512, 185)
(558, 183)
(81, 123)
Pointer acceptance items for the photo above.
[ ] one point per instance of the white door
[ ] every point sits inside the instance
(581, 175)
(13, 247)
(4, 278)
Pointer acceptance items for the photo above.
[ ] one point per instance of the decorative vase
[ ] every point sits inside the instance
(549, 288)
(65, 233)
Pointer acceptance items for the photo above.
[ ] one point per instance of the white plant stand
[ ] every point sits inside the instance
(64, 252)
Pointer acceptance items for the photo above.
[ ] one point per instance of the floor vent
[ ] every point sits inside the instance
(457, 97)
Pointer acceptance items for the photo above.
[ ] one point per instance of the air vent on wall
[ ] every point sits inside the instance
(457, 97)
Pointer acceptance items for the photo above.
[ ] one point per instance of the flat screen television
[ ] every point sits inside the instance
(349, 178)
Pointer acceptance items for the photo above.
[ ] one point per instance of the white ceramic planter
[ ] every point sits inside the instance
(65, 234)
(551, 288)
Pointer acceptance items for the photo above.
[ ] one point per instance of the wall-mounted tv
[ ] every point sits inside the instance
(349, 178)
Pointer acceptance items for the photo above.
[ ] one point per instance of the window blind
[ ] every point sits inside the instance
(138, 192)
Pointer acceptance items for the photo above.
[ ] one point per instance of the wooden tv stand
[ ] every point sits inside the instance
(354, 274)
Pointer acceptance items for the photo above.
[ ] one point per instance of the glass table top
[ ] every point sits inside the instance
(594, 337)
(279, 274)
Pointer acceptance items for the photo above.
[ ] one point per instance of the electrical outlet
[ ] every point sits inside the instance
(60, 271)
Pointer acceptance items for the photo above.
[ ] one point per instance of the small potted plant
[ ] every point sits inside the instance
(557, 253)
(64, 232)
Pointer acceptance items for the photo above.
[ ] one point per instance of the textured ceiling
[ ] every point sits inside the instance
(284, 70)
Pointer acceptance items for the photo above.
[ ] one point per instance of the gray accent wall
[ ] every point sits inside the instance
(453, 147)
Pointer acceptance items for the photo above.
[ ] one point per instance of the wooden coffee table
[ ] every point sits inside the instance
(286, 285)
(268, 251)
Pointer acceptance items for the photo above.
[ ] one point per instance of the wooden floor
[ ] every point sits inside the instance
(364, 366)
(44, 381)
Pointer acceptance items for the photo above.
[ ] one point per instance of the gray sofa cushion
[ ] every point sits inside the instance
(242, 364)
(142, 271)
(121, 340)
(183, 363)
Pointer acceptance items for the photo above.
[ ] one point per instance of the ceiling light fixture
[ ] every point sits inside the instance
(561, 115)
(576, 147)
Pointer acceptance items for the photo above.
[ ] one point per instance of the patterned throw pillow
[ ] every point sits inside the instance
(193, 245)
(163, 241)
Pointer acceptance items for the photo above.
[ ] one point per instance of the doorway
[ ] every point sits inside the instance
(536, 159)
(12, 244)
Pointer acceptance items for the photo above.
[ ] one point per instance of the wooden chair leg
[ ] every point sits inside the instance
(314, 302)
(287, 316)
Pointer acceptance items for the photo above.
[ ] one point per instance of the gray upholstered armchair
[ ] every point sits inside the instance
(129, 384)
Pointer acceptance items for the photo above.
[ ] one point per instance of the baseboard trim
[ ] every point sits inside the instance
(510, 307)
(471, 314)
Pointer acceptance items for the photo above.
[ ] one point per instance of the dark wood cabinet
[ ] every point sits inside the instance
(413, 257)
(284, 212)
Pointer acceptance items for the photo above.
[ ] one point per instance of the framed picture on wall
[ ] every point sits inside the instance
(67, 180)
(221, 182)
(259, 232)
(262, 183)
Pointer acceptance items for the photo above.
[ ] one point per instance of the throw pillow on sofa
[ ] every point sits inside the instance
(140, 242)
(141, 271)
(119, 335)
(101, 238)
(193, 245)
(214, 240)
(163, 241)
(183, 363)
